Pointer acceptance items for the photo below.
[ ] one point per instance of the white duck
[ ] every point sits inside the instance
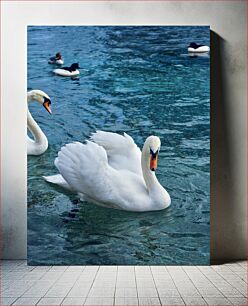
(111, 171)
(40, 144)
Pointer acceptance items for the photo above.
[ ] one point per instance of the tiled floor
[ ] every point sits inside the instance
(123, 285)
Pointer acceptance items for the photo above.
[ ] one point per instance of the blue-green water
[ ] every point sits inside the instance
(138, 80)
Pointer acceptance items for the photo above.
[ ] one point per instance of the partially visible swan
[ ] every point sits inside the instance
(40, 143)
(111, 171)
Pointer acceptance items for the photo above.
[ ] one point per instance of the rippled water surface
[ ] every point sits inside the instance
(138, 80)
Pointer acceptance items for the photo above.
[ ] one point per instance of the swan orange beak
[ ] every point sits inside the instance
(153, 162)
(47, 106)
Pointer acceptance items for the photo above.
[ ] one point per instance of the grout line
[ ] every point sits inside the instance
(115, 284)
(211, 281)
(236, 304)
(136, 284)
(35, 284)
(38, 301)
(72, 285)
(92, 284)
(228, 282)
(241, 276)
(155, 286)
(14, 301)
(174, 283)
(193, 282)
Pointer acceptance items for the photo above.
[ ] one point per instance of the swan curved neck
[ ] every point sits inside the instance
(29, 96)
(39, 136)
(149, 176)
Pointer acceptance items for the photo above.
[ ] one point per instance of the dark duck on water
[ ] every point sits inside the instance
(73, 67)
(71, 71)
(57, 59)
(195, 48)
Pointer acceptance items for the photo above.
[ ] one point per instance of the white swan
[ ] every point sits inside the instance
(40, 143)
(111, 171)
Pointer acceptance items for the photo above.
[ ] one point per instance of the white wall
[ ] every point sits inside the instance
(227, 20)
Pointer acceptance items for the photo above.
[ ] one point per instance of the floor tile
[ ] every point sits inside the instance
(125, 283)
(13, 292)
(210, 292)
(125, 269)
(199, 301)
(149, 301)
(102, 283)
(99, 301)
(143, 282)
(73, 301)
(239, 301)
(58, 291)
(166, 301)
(80, 290)
(126, 292)
(50, 301)
(38, 290)
(164, 292)
(229, 291)
(27, 301)
(91, 269)
(189, 292)
(121, 301)
(108, 269)
(42, 268)
(58, 268)
(147, 292)
(75, 269)
(7, 300)
(217, 301)
(107, 292)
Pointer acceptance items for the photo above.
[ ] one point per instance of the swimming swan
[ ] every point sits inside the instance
(111, 171)
(40, 143)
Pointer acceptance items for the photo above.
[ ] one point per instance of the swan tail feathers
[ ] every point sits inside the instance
(57, 179)
(85, 168)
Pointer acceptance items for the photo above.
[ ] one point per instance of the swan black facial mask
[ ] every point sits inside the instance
(153, 160)
(47, 104)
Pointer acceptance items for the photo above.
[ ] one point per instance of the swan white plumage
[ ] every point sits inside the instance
(111, 171)
(39, 144)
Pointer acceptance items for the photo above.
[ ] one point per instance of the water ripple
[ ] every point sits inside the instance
(138, 80)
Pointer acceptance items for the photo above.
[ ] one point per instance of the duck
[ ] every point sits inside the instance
(57, 59)
(111, 171)
(68, 71)
(195, 48)
(39, 144)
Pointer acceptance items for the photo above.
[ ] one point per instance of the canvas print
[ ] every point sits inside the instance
(118, 145)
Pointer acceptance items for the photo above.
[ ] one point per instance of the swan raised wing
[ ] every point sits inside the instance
(86, 170)
(122, 151)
